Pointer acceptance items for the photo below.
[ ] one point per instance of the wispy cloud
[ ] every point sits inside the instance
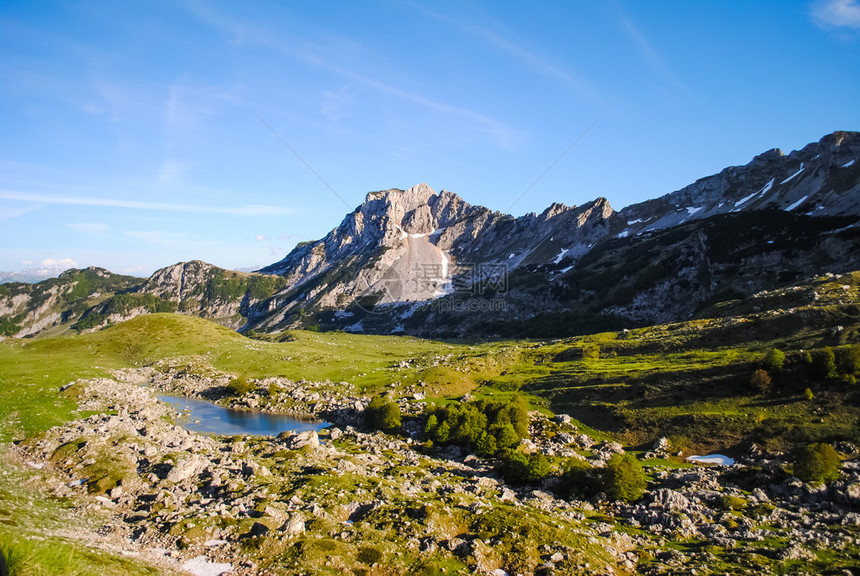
(89, 227)
(8, 213)
(829, 14)
(319, 55)
(519, 51)
(657, 61)
(245, 210)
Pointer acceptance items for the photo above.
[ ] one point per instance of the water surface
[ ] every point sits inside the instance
(208, 418)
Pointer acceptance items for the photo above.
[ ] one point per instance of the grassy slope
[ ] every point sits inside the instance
(688, 380)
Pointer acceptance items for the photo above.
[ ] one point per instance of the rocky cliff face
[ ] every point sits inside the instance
(416, 261)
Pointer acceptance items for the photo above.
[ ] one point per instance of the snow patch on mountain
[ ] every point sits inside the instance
(790, 178)
(796, 204)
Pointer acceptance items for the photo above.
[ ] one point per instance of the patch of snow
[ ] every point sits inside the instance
(417, 235)
(632, 222)
(793, 175)
(35, 466)
(398, 328)
(511, 255)
(745, 200)
(560, 256)
(692, 211)
(796, 204)
(767, 186)
(848, 164)
(770, 241)
(712, 459)
(342, 314)
(564, 270)
(214, 543)
(409, 311)
(357, 327)
(623, 234)
(201, 566)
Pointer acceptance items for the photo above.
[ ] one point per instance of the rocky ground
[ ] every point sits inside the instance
(351, 502)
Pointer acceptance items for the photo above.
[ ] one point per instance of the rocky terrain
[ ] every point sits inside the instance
(353, 501)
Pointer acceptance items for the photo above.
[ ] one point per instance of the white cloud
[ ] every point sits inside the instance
(62, 264)
(260, 238)
(836, 14)
(26, 262)
(649, 52)
(7, 213)
(89, 227)
(245, 210)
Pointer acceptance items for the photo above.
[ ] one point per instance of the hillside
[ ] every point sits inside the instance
(97, 460)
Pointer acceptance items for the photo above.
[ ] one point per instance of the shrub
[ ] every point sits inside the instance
(807, 393)
(538, 467)
(817, 463)
(760, 381)
(239, 386)
(848, 359)
(369, 556)
(824, 363)
(773, 360)
(486, 445)
(383, 413)
(516, 467)
(624, 478)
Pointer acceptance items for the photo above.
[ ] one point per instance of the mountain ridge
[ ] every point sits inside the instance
(426, 263)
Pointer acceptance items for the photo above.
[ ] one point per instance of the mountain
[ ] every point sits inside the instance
(94, 297)
(425, 263)
(417, 262)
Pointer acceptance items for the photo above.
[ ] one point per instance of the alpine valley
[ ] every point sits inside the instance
(488, 394)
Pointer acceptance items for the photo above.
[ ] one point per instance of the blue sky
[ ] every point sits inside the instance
(134, 135)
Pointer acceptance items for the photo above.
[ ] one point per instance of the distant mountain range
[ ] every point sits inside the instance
(417, 262)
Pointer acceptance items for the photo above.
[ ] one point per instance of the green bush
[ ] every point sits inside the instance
(848, 359)
(824, 363)
(466, 423)
(773, 360)
(807, 394)
(239, 386)
(8, 327)
(383, 414)
(486, 445)
(369, 556)
(624, 479)
(817, 463)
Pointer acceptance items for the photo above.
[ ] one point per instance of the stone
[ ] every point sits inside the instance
(302, 439)
(294, 526)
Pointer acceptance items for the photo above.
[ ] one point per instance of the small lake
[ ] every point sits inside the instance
(208, 418)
